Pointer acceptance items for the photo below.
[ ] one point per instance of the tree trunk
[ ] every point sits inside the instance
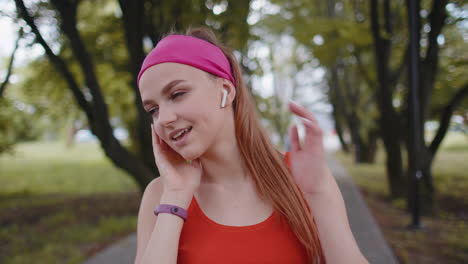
(427, 186)
(368, 149)
(389, 122)
(96, 109)
(428, 71)
(339, 129)
(339, 108)
(133, 17)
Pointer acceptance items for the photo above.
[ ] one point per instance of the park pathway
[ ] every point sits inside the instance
(364, 227)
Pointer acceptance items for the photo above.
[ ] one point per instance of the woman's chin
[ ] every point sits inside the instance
(190, 155)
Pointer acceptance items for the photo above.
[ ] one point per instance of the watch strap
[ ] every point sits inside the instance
(171, 209)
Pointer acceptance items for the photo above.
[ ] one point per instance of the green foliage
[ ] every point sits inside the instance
(16, 124)
(45, 88)
(452, 71)
(277, 120)
(337, 38)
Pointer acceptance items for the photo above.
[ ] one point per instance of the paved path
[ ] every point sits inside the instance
(122, 252)
(365, 229)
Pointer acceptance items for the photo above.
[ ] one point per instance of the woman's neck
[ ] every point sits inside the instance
(222, 162)
(225, 168)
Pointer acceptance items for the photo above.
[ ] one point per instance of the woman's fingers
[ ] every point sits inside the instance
(312, 128)
(156, 142)
(294, 137)
(159, 142)
(196, 163)
(165, 147)
(312, 131)
(301, 111)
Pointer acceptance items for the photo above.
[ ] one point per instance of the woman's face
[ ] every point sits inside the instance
(183, 98)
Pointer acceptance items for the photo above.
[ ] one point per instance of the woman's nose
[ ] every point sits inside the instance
(166, 117)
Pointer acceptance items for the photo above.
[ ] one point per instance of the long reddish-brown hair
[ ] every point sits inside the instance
(266, 165)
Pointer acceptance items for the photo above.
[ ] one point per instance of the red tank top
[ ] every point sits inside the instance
(204, 241)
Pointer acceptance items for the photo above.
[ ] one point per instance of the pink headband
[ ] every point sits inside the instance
(190, 51)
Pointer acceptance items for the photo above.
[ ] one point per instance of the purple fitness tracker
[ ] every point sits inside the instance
(171, 209)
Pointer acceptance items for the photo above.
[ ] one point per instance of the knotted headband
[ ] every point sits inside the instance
(190, 51)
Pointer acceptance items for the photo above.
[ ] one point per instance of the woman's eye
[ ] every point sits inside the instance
(175, 95)
(153, 111)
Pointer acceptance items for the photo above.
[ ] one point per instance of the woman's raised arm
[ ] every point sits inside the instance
(311, 173)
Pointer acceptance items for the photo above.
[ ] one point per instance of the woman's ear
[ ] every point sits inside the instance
(231, 91)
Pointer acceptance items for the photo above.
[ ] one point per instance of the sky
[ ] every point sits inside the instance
(9, 33)
(6, 31)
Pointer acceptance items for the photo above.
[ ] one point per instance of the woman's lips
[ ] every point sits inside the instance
(183, 138)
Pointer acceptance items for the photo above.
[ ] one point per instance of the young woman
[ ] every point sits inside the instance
(225, 194)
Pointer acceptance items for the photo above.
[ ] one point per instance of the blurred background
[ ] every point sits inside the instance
(75, 147)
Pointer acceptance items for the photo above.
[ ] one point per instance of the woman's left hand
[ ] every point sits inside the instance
(308, 164)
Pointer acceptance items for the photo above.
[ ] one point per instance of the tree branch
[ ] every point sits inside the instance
(446, 116)
(387, 18)
(150, 28)
(96, 111)
(437, 21)
(10, 64)
(67, 12)
(395, 76)
(135, 22)
(430, 63)
(59, 64)
(361, 69)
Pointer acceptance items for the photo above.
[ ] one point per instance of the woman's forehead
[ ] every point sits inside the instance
(161, 74)
(159, 78)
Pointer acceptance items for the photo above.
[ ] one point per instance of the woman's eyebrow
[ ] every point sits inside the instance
(165, 90)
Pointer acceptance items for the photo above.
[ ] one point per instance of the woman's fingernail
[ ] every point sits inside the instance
(293, 102)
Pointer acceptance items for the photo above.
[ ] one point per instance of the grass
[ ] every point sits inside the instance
(443, 239)
(64, 234)
(48, 167)
(60, 205)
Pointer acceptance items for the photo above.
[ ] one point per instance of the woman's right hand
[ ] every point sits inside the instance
(177, 174)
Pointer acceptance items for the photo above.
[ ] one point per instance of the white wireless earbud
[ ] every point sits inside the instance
(223, 101)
